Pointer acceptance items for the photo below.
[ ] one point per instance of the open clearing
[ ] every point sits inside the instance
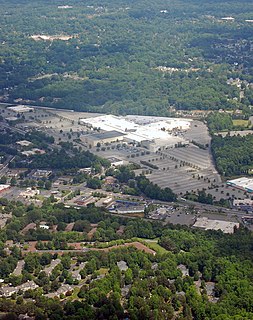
(240, 122)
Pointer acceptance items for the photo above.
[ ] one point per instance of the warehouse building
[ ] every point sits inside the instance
(103, 137)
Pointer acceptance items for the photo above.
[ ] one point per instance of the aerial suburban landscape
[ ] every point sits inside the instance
(126, 160)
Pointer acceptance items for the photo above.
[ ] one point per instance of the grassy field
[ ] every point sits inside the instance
(152, 244)
(241, 123)
(156, 247)
(103, 271)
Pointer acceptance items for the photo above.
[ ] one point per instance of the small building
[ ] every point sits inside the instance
(14, 173)
(246, 204)
(107, 201)
(32, 152)
(62, 290)
(76, 273)
(85, 170)
(21, 108)
(115, 162)
(122, 265)
(19, 267)
(65, 7)
(228, 19)
(243, 183)
(29, 193)
(127, 207)
(54, 263)
(24, 143)
(11, 119)
(4, 187)
(248, 220)
(109, 180)
(38, 174)
(7, 291)
(183, 269)
(84, 201)
(208, 224)
(103, 137)
(44, 226)
(125, 290)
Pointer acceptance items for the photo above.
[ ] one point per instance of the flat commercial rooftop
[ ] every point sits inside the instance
(141, 128)
(4, 187)
(106, 135)
(208, 224)
(114, 159)
(242, 183)
(242, 202)
(20, 108)
(11, 118)
(24, 143)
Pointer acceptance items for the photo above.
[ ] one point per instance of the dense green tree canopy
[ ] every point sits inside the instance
(112, 62)
(233, 154)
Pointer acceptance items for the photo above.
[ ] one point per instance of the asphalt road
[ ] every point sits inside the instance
(4, 169)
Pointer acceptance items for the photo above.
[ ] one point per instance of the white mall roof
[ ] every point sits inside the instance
(140, 128)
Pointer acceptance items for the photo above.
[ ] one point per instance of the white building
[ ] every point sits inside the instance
(208, 224)
(21, 109)
(116, 162)
(29, 193)
(160, 131)
(4, 187)
(24, 143)
(7, 291)
(244, 183)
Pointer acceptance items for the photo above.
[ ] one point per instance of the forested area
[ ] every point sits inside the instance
(156, 287)
(126, 57)
(219, 121)
(61, 160)
(233, 154)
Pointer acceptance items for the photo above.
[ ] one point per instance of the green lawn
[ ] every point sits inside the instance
(241, 123)
(152, 244)
(156, 247)
(103, 271)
